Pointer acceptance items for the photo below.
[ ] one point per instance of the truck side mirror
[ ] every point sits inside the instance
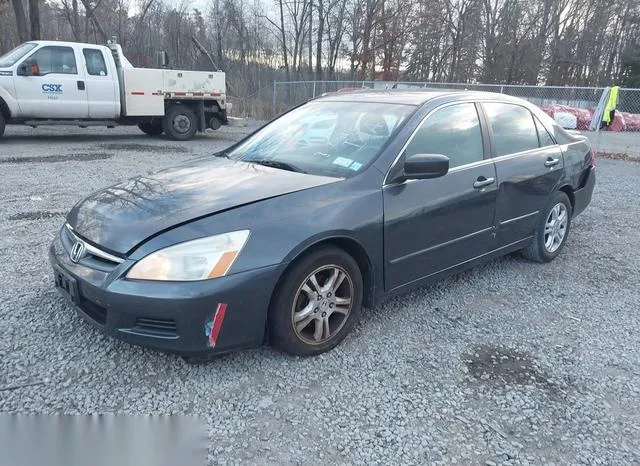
(29, 68)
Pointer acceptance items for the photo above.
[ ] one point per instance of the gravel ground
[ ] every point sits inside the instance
(508, 363)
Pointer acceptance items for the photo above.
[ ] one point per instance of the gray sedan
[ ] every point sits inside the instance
(335, 205)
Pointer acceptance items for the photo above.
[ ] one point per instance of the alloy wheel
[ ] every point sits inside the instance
(322, 304)
(555, 227)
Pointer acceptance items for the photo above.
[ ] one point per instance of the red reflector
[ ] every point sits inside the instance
(137, 93)
(212, 329)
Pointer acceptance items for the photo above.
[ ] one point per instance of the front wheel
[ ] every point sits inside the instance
(317, 303)
(553, 230)
(179, 122)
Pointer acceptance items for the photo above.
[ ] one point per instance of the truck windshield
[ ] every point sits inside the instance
(10, 58)
(337, 139)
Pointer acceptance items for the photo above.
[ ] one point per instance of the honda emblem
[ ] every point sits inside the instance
(77, 251)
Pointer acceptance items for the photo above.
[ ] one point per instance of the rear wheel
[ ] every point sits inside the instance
(151, 128)
(553, 230)
(317, 303)
(2, 125)
(179, 123)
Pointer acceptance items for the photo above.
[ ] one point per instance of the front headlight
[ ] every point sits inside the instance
(200, 259)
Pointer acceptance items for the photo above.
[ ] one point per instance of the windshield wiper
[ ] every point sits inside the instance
(277, 164)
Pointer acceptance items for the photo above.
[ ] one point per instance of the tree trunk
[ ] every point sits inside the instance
(90, 14)
(218, 32)
(321, 21)
(284, 40)
(21, 20)
(310, 51)
(34, 19)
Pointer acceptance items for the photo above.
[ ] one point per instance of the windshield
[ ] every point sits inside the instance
(10, 58)
(325, 138)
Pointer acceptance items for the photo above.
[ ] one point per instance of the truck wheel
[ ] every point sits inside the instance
(179, 123)
(2, 125)
(152, 129)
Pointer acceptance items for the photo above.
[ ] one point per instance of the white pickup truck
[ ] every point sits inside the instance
(68, 83)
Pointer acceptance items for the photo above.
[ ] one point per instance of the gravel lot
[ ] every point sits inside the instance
(511, 362)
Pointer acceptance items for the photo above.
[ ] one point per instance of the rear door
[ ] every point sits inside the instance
(434, 224)
(58, 91)
(102, 92)
(528, 164)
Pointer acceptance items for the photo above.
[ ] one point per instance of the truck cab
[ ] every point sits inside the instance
(54, 81)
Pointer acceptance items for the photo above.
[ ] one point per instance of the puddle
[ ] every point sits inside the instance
(36, 215)
(78, 157)
(117, 146)
(502, 364)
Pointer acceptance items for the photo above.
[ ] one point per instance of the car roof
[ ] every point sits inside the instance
(412, 97)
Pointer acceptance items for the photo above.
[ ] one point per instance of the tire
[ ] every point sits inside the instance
(546, 245)
(2, 125)
(179, 123)
(152, 129)
(296, 318)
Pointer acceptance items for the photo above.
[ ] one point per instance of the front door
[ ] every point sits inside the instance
(58, 90)
(432, 225)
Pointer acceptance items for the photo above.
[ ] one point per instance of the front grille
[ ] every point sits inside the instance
(163, 327)
(93, 310)
(94, 257)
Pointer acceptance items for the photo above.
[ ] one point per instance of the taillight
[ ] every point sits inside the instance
(592, 159)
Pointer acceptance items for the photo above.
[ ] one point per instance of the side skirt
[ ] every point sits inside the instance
(481, 259)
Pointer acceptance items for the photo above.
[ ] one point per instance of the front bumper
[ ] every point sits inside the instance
(176, 317)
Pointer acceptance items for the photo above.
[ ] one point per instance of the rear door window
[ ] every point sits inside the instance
(512, 127)
(453, 131)
(96, 66)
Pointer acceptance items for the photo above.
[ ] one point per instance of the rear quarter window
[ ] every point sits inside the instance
(543, 135)
(558, 132)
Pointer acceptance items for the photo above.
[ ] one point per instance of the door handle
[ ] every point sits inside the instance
(551, 162)
(481, 182)
(81, 85)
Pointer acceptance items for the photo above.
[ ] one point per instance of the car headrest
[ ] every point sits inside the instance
(373, 124)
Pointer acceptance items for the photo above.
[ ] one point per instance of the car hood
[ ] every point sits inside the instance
(122, 216)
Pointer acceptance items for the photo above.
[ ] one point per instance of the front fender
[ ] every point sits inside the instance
(7, 97)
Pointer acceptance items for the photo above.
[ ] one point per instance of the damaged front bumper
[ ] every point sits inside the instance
(187, 318)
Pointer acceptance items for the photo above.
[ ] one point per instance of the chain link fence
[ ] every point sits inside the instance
(288, 94)
(575, 102)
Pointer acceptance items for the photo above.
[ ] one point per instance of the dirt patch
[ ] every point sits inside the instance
(506, 366)
(36, 215)
(78, 157)
(133, 147)
(617, 156)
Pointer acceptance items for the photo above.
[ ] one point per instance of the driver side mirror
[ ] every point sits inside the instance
(425, 166)
(29, 68)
